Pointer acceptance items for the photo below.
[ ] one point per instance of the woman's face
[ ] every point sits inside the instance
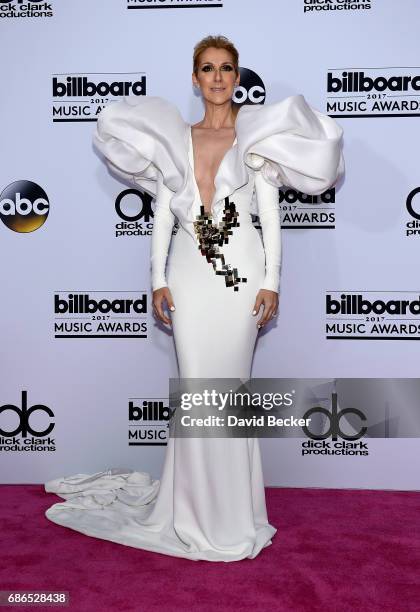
(216, 75)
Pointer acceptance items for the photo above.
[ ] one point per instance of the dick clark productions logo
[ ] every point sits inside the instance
(348, 445)
(26, 435)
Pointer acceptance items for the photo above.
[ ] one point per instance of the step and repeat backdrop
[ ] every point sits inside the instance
(85, 366)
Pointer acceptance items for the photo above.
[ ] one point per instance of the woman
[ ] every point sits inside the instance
(215, 275)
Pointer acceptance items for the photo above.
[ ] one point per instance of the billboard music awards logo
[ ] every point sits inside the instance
(24, 206)
(81, 97)
(25, 8)
(26, 428)
(148, 421)
(372, 315)
(100, 314)
(329, 422)
(373, 92)
(323, 6)
(299, 210)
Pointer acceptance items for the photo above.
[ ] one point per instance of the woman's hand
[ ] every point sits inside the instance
(270, 300)
(159, 295)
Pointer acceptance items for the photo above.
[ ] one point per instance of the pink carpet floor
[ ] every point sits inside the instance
(335, 550)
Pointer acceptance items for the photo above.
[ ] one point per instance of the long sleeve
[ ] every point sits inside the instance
(161, 235)
(269, 215)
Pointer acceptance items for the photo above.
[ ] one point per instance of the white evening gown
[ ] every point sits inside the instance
(210, 501)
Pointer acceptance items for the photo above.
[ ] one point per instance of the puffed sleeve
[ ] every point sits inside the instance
(163, 223)
(128, 149)
(293, 145)
(139, 137)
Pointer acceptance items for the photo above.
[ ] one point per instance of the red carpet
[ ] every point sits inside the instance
(335, 550)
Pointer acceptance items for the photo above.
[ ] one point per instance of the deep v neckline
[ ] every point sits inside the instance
(192, 163)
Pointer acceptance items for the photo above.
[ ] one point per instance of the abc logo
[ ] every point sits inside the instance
(24, 206)
(24, 413)
(251, 89)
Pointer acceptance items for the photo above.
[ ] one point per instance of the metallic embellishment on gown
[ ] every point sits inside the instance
(211, 237)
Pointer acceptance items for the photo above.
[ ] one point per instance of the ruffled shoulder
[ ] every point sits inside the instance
(292, 144)
(141, 136)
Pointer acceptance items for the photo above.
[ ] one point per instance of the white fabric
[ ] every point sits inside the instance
(163, 223)
(292, 144)
(270, 221)
(210, 501)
